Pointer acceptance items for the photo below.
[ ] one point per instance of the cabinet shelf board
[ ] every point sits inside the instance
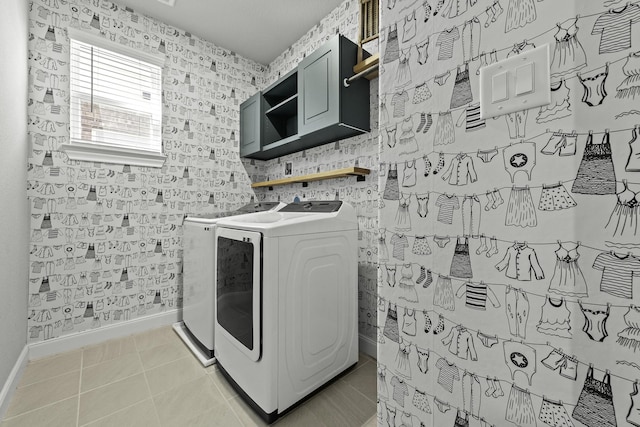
(280, 142)
(283, 88)
(287, 107)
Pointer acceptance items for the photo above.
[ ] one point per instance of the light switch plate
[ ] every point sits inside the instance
(528, 83)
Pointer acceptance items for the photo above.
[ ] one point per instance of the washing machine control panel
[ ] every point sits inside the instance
(313, 206)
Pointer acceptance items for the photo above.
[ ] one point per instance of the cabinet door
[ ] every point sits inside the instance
(250, 125)
(318, 88)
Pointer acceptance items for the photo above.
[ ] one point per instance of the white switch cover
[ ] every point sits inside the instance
(528, 83)
(500, 87)
(524, 78)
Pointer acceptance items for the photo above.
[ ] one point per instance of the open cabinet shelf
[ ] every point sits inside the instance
(288, 107)
(309, 106)
(336, 173)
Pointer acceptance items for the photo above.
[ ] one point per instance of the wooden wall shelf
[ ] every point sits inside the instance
(336, 173)
(368, 63)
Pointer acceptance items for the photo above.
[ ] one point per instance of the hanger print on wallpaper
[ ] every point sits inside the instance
(534, 331)
(442, 240)
(612, 265)
(520, 211)
(516, 354)
(488, 16)
(487, 155)
(519, 407)
(568, 52)
(554, 320)
(519, 354)
(559, 141)
(471, 403)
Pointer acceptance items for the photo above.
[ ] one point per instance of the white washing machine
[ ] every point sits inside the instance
(286, 302)
(198, 299)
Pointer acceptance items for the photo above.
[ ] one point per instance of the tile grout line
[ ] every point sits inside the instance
(79, 386)
(46, 379)
(105, 416)
(115, 381)
(226, 400)
(33, 410)
(132, 375)
(51, 377)
(355, 388)
(146, 380)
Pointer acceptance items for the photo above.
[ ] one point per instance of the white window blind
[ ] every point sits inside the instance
(116, 96)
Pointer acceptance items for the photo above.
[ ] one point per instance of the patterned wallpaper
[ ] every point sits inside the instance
(357, 151)
(106, 240)
(509, 256)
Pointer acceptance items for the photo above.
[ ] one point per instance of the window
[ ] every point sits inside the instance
(368, 20)
(116, 103)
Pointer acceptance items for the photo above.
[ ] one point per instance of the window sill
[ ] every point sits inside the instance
(106, 154)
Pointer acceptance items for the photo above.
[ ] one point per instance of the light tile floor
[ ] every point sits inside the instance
(152, 379)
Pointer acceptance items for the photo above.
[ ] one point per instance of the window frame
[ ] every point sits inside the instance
(78, 149)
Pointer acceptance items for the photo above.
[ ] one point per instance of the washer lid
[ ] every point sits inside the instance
(248, 208)
(261, 206)
(313, 206)
(303, 218)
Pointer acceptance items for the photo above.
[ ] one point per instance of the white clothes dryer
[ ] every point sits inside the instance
(198, 298)
(286, 302)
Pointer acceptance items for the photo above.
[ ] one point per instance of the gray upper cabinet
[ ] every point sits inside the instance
(309, 106)
(317, 79)
(326, 102)
(251, 125)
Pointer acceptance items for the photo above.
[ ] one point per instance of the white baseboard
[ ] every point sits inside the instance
(97, 336)
(12, 381)
(368, 346)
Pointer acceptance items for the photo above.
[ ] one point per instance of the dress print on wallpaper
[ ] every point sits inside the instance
(624, 217)
(568, 54)
(630, 86)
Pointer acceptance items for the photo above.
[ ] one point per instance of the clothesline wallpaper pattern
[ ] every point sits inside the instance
(484, 13)
(457, 204)
(106, 239)
(502, 380)
(420, 96)
(510, 242)
(497, 50)
(204, 85)
(382, 165)
(451, 324)
(424, 362)
(443, 405)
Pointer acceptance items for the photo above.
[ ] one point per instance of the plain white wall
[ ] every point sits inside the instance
(14, 209)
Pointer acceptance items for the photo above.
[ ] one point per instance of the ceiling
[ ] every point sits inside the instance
(256, 29)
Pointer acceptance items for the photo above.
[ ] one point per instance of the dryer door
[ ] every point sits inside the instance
(238, 288)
